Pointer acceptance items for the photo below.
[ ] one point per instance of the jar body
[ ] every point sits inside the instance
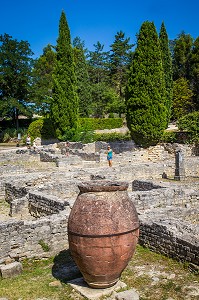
(103, 231)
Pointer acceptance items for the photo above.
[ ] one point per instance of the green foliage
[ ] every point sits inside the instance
(10, 133)
(15, 77)
(85, 131)
(169, 137)
(64, 102)
(43, 81)
(44, 246)
(182, 98)
(145, 92)
(41, 128)
(190, 123)
(120, 55)
(181, 56)
(83, 85)
(194, 72)
(110, 137)
(99, 79)
(78, 135)
(167, 67)
(100, 123)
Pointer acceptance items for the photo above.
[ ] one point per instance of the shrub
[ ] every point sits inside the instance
(6, 137)
(77, 135)
(190, 123)
(169, 137)
(8, 134)
(41, 128)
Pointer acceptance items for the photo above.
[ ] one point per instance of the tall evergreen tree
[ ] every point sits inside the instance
(99, 79)
(43, 81)
(119, 61)
(146, 92)
(64, 104)
(83, 84)
(98, 64)
(194, 72)
(181, 56)
(15, 77)
(167, 67)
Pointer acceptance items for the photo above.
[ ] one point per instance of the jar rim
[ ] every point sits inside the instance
(102, 185)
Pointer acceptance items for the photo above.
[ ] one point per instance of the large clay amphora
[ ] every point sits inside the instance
(103, 230)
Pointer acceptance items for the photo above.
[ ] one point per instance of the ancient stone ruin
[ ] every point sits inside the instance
(38, 189)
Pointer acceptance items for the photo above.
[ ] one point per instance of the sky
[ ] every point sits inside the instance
(37, 21)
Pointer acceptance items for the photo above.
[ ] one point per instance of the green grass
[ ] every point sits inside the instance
(34, 282)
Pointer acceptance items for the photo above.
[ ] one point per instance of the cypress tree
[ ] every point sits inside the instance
(167, 67)
(145, 91)
(64, 105)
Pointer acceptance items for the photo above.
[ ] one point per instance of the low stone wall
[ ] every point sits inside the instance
(48, 157)
(14, 192)
(48, 195)
(138, 185)
(161, 239)
(40, 238)
(24, 201)
(117, 146)
(163, 196)
(40, 204)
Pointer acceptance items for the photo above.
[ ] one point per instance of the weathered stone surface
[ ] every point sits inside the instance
(11, 270)
(168, 214)
(100, 186)
(94, 294)
(55, 283)
(128, 295)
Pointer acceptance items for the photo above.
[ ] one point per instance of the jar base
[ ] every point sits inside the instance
(102, 285)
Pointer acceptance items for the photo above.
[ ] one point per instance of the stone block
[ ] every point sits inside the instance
(11, 270)
(94, 294)
(127, 295)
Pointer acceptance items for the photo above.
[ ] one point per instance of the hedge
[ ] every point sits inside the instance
(99, 124)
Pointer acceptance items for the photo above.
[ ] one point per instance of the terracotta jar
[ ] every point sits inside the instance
(103, 230)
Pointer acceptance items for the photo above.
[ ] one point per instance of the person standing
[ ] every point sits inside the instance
(109, 156)
(28, 141)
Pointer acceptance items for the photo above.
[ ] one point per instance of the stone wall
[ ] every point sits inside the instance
(161, 239)
(138, 185)
(40, 204)
(117, 146)
(24, 201)
(46, 196)
(14, 192)
(168, 219)
(48, 157)
(145, 197)
(27, 239)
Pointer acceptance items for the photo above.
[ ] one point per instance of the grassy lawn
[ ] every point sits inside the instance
(154, 276)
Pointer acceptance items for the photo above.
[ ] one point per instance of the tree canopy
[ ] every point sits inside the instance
(145, 91)
(15, 77)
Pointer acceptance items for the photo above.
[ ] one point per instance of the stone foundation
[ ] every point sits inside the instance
(40, 202)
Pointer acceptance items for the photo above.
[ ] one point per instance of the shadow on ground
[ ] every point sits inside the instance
(64, 268)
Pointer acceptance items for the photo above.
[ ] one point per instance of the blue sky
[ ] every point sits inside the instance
(37, 21)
